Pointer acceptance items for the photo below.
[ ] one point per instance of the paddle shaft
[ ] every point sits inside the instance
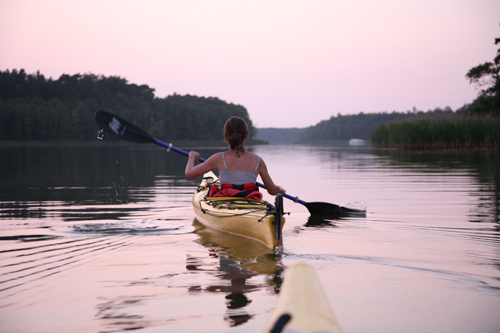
(128, 131)
(183, 152)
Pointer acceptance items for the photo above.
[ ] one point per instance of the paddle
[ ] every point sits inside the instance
(128, 131)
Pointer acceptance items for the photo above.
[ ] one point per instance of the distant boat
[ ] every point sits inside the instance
(357, 142)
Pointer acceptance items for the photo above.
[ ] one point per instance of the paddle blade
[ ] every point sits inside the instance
(122, 128)
(324, 208)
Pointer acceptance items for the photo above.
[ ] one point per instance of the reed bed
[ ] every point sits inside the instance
(453, 131)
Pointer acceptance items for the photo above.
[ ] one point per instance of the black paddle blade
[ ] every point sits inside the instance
(122, 128)
(324, 208)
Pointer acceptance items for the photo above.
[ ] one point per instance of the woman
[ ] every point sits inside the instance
(236, 166)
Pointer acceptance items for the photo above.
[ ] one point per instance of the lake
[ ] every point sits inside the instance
(102, 238)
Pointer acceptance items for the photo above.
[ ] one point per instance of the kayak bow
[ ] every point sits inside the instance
(302, 305)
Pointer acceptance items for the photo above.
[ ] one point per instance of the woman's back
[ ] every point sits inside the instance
(237, 169)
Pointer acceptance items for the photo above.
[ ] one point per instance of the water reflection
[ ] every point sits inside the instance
(84, 182)
(239, 261)
(113, 314)
(83, 175)
(320, 221)
(482, 166)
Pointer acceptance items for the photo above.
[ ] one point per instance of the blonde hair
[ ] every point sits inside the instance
(235, 131)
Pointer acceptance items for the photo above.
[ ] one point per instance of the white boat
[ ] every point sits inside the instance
(357, 142)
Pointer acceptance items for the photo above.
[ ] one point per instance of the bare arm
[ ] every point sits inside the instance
(193, 171)
(272, 188)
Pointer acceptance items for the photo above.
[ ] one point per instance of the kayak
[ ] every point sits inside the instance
(255, 219)
(302, 305)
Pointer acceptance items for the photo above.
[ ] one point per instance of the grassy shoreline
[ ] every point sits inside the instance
(447, 132)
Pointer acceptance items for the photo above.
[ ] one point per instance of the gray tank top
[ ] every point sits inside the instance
(237, 177)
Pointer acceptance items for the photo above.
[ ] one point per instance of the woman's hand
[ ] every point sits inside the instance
(194, 156)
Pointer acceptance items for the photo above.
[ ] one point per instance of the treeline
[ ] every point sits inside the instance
(33, 107)
(360, 126)
(279, 135)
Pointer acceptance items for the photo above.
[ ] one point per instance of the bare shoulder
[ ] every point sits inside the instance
(262, 164)
(215, 159)
(254, 157)
(217, 155)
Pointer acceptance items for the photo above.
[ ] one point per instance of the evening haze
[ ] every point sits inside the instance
(289, 63)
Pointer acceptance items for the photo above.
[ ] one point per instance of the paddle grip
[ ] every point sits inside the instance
(177, 150)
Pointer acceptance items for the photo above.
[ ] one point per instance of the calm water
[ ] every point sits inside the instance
(103, 239)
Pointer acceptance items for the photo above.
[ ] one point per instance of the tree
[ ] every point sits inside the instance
(486, 75)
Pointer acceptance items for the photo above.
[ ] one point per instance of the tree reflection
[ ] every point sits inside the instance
(482, 166)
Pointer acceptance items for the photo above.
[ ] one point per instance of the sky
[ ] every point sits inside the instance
(289, 63)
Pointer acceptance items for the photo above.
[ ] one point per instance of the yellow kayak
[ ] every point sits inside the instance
(302, 305)
(249, 218)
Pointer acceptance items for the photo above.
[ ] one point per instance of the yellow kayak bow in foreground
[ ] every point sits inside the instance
(302, 305)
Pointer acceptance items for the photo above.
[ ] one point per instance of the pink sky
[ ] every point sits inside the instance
(290, 63)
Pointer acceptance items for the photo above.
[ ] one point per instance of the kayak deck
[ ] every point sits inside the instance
(244, 217)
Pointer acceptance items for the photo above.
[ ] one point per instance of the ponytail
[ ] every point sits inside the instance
(235, 131)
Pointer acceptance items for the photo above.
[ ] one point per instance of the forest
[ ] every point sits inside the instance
(360, 126)
(33, 107)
